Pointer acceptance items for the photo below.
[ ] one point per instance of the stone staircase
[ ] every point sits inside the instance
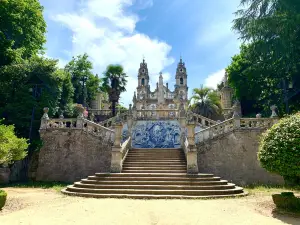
(153, 173)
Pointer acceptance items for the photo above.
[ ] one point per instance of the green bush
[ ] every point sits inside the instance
(279, 150)
(12, 148)
(2, 198)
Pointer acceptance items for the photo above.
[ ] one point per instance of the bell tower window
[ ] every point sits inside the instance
(181, 80)
(143, 81)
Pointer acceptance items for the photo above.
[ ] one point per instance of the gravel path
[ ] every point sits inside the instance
(47, 207)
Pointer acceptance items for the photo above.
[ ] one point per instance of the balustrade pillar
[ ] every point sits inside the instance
(191, 155)
(116, 154)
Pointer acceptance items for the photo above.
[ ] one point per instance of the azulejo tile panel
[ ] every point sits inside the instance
(156, 134)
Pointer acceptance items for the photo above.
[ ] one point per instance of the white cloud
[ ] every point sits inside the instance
(106, 32)
(214, 79)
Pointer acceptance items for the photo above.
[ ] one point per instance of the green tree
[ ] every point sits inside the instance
(206, 102)
(271, 58)
(12, 148)
(114, 71)
(22, 29)
(27, 88)
(279, 150)
(86, 84)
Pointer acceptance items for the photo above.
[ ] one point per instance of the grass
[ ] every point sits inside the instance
(269, 189)
(58, 186)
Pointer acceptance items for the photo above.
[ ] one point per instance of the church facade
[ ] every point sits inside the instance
(162, 97)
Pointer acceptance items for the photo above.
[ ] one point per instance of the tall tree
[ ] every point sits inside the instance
(114, 71)
(206, 102)
(114, 83)
(85, 83)
(22, 29)
(270, 60)
(28, 87)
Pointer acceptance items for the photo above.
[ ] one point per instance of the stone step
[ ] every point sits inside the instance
(155, 178)
(236, 190)
(155, 167)
(154, 171)
(155, 153)
(138, 164)
(157, 182)
(143, 196)
(156, 161)
(154, 157)
(165, 187)
(156, 149)
(185, 175)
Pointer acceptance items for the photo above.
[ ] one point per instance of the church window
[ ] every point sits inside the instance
(143, 81)
(181, 80)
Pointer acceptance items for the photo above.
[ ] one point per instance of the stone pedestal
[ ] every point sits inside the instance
(191, 155)
(116, 154)
(192, 161)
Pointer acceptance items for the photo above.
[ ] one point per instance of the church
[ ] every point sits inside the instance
(162, 97)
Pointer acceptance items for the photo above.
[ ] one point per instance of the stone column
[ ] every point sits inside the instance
(130, 120)
(45, 119)
(116, 154)
(191, 155)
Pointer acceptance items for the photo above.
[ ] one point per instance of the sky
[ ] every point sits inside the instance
(125, 31)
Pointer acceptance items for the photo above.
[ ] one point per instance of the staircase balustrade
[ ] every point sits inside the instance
(77, 124)
(156, 114)
(233, 124)
(125, 148)
(109, 122)
(203, 121)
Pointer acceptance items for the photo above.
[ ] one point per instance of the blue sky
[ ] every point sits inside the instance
(123, 31)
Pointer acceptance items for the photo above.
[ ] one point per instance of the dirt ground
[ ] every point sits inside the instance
(44, 207)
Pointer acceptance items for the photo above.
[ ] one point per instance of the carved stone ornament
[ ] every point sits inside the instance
(274, 114)
(45, 116)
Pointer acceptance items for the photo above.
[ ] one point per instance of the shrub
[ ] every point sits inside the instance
(279, 150)
(2, 198)
(12, 148)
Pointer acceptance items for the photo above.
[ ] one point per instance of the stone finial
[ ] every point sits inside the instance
(226, 80)
(258, 115)
(236, 109)
(45, 115)
(274, 114)
(130, 108)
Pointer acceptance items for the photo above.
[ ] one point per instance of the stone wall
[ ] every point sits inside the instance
(233, 157)
(70, 155)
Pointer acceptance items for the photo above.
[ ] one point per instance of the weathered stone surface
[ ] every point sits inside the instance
(70, 155)
(234, 157)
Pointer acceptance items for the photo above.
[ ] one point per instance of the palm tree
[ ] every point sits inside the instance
(114, 83)
(206, 102)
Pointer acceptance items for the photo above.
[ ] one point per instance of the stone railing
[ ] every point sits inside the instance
(203, 121)
(98, 130)
(125, 148)
(109, 122)
(57, 123)
(105, 112)
(215, 130)
(233, 124)
(79, 124)
(256, 123)
(155, 114)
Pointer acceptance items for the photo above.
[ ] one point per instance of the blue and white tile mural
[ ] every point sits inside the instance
(156, 134)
